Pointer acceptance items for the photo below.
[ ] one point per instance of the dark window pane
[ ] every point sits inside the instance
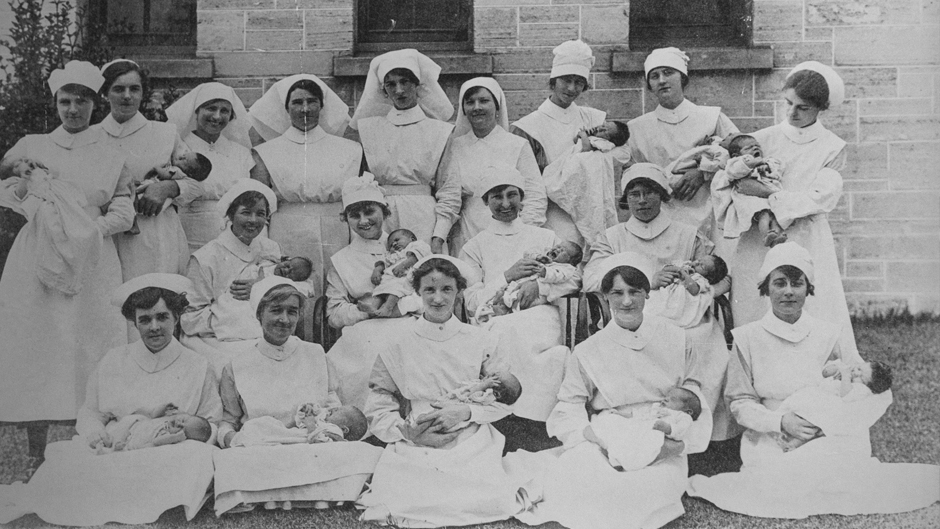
(419, 21)
(151, 22)
(689, 23)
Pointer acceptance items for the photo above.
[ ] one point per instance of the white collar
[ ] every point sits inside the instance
(247, 253)
(505, 228)
(155, 362)
(220, 145)
(368, 246)
(564, 115)
(804, 135)
(123, 130)
(406, 117)
(676, 115)
(648, 230)
(793, 333)
(636, 340)
(490, 138)
(300, 137)
(67, 140)
(278, 353)
(438, 332)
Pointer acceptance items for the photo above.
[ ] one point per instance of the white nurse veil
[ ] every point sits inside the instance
(182, 113)
(270, 119)
(502, 115)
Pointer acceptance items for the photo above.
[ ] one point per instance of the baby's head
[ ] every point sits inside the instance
(684, 400)
(193, 426)
(615, 132)
(399, 239)
(711, 267)
(744, 144)
(195, 165)
(876, 375)
(566, 252)
(350, 419)
(508, 388)
(294, 268)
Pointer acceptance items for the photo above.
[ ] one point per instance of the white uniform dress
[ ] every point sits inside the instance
(663, 135)
(812, 188)
(665, 241)
(626, 370)
(161, 244)
(307, 174)
(834, 474)
(273, 381)
(551, 131)
(51, 340)
(464, 159)
(403, 150)
(230, 163)
(415, 486)
(532, 337)
(212, 269)
(77, 487)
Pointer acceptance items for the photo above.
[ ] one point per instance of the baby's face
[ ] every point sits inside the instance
(399, 240)
(297, 269)
(749, 146)
(563, 253)
(508, 385)
(704, 266)
(180, 421)
(676, 399)
(186, 161)
(861, 373)
(606, 130)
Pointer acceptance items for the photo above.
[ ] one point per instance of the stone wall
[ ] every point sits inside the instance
(888, 51)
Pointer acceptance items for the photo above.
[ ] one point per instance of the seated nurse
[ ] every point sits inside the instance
(77, 487)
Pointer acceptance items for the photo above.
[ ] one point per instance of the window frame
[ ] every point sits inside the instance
(361, 46)
(736, 32)
(136, 44)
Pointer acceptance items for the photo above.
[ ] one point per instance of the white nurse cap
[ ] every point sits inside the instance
(833, 81)
(467, 271)
(172, 282)
(243, 185)
(76, 72)
(649, 171)
(572, 57)
(259, 289)
(788, 253)
(669, 57)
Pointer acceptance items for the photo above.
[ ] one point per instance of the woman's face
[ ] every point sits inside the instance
(74, 111)
(666, 84)
(480, 108)
(626, 304)
(786, 297)
(212, 118)
(438, 292)
(799, 113)
(125, 95)
(567, 88)
(367, 222)
(278, 320)
(402, 91)
(304, 109)
(155, 325)
(247, 222)
(505, 204)
(644, 202)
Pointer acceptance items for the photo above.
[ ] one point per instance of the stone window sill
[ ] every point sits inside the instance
(757, 58)
(451, 64)
(178, 68)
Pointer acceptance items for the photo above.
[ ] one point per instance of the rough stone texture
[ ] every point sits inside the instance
(236, 4)
(548, 14)
(328, 29)
(605, 24)
(220, 30)
(280, 19)
(899, 128)
(274, 40)
(792, 53)
(887, 45)
(900, 205)
(494, 27)
(547, 34)
(778, 20)
(912, 164)
(855, 12)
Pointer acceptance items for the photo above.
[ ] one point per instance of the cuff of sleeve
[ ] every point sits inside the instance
(442, 228)
(410, 303)
(773, 422)
(543, 287)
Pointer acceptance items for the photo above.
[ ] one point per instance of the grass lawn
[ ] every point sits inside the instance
(909, 432)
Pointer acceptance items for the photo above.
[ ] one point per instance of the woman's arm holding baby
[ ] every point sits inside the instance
(232, 407)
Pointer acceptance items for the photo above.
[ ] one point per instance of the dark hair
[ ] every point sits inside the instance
(304, 84)
(630, 276)
(305, 260)
(587, 86)
(79, 90)
(278, 294)
(472, 91)
(508, 394)
(684, 81)
(358, 429)
(247, 199)
(403, 230)
(695, 405)
(881, 377)
(499, 189)
(578, 254)
(622, 135)
(809, 86)
(663, 194)
(148, 297)
(403, 72)
(437, 264)
(359, 207)
(203, 168)
(200, 432)
(123, 67)
(720, 271)
(734, 146)
(792, 273)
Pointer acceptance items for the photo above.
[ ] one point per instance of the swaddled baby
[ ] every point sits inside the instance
(311, 424)
(149, 428)
(392, 275)
(746, 161)
(502, 387)
(182, 165)
(689, 297)
(634, 438)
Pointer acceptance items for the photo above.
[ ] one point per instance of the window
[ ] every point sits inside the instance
(139, 26)
(430, 25)
(689, 23)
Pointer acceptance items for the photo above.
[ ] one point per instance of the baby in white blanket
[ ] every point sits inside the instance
(311, 424)
(690, 296)
(149, 428)
(392, 275)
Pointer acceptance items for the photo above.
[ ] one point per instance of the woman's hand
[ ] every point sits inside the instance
(585, 141)
(664, 277)
(798, 427)
(753, 188)
(689, 184)
(522, 268)
(444, 418)
(528, 294)
(241, 288)
(150, 203)
(227, 440)
(98, 438)
(423, 434)
(671, 448)
(437, 245)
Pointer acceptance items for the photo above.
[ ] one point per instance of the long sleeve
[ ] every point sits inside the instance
(190, 190)
(341, 311)
(600, 250)
(569, 416)
(537, 150)
(332, 395)
(89, 418)
(481, 292)
(700, 433)
(493, 362)
(742, 398)
(725, 126)
(210, 404)
(559, 280)
(232, 405)
(821, 196)
(198, 318)
(120, 215)
(449, 200)
(535, 202)
(382, 404)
